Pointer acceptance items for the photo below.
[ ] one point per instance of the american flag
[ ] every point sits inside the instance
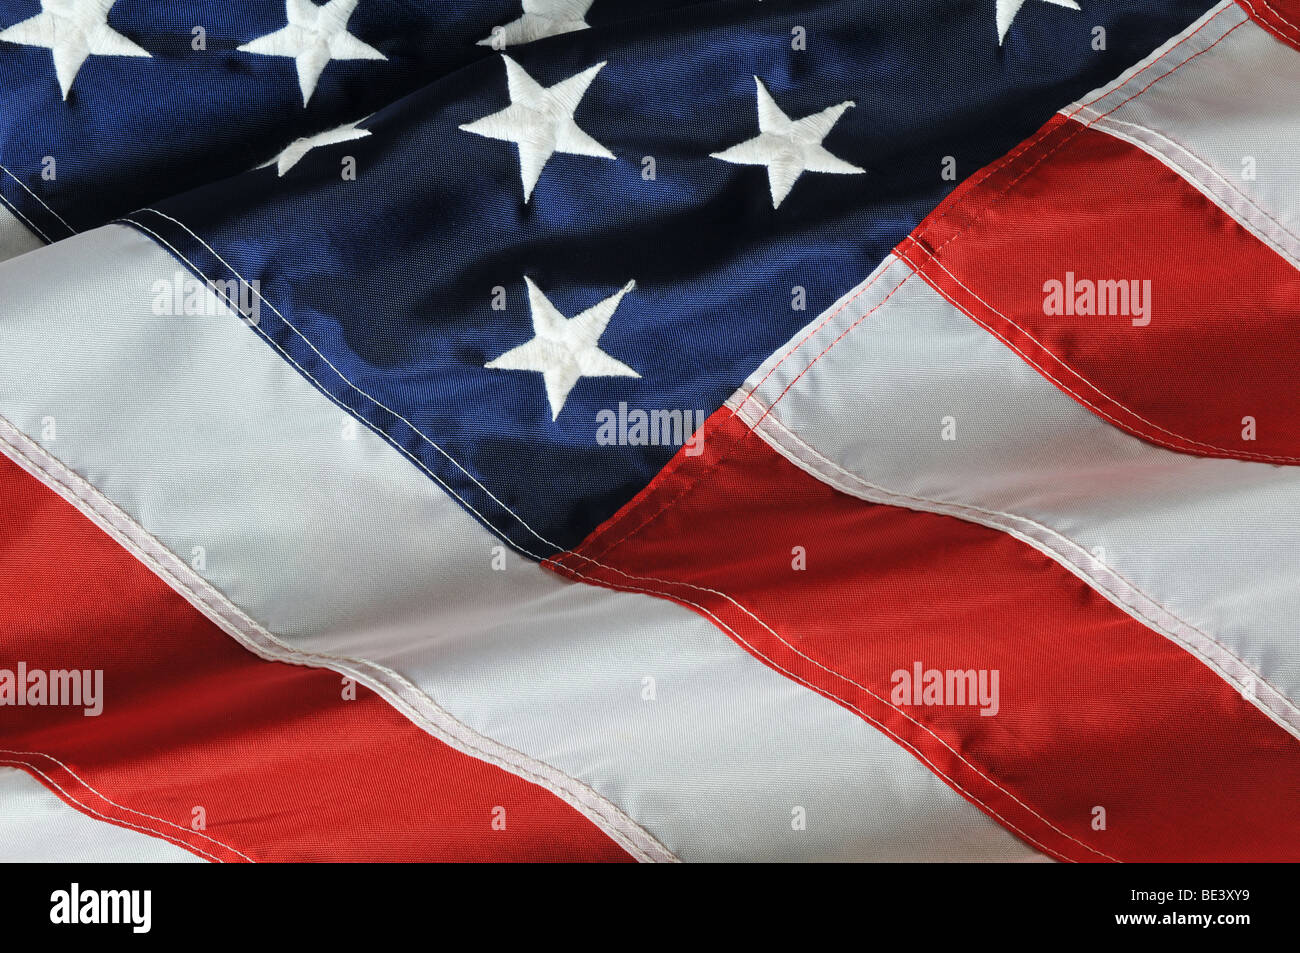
(649, 430)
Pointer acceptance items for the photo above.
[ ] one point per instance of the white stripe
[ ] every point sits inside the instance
(15, 236)
(1202, 550)
(204, 435)
(37, 827)
(1227, 121)
(1169, 56)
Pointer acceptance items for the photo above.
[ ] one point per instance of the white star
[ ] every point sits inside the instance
(295, 150)
(1007, 10)
(564, 350)
(72, 30)
(540, 121)
(541, 18)
(314, 36)
(789, 147)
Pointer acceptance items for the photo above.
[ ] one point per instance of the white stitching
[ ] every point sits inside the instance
(110, 820)
(1046, 373)
(71, 230)
(30, 223)
(1158, 55)
(82, 781)
(1007, 161)
(344, 379)
(595, 562)
(1274, 12)
(1023, 149)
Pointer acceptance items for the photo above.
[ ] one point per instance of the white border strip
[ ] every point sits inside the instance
(1202, 33)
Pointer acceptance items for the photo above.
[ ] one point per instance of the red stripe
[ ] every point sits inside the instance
(1279, 17)
(1096, 710)
(282, 766)
(1224, 308)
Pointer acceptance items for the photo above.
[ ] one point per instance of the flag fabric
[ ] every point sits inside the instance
(679, 430)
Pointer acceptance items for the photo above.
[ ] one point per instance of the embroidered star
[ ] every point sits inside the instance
(314, 36)
(541, 18)
(564, 350)
(72, 30)
(539, 121)
(1007, 10)
(789, 147)
(295, 150)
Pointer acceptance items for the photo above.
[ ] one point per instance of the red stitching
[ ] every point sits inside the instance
(116, 821)
(830, 317)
